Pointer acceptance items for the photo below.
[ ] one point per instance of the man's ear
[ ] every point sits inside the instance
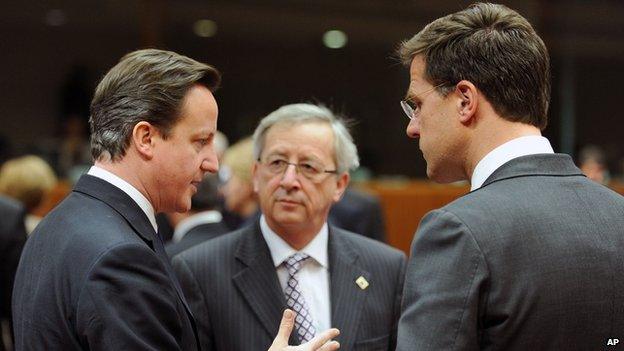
(341, 185)
(254, 177)
(143, 135)
(468, 100)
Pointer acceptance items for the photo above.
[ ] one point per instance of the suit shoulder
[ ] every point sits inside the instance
(71, 233)
(223, 244)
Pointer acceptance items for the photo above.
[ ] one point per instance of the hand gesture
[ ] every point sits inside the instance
(321, 342)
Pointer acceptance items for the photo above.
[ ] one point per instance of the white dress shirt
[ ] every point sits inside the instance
(313, 276)
(204, 217)
(523, 146)
(127, 188)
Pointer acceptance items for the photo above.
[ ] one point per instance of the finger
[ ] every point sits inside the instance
(321, 339)
(330, 346)
(285, 328)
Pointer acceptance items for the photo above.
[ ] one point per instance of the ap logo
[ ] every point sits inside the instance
(612, 342)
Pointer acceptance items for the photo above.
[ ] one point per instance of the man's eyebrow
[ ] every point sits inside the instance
(204, 134)
(407, 97)
(409, 94)
(280, 153)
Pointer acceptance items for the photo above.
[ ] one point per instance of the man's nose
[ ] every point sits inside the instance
(289, 178)
(210, 163)
(413, 128)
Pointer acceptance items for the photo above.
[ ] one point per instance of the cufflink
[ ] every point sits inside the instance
(362, 282)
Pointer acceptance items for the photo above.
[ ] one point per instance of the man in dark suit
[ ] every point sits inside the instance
(94, 275)
(532, 258)
(359, 212)
(12, 239)
(238, 284)
(203, 222)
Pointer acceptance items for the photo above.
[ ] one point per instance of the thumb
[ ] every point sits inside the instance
(285, 328)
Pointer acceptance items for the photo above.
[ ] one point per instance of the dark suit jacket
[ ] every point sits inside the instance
(93, 276)
(195, 236)
(359, 212)
(233, 289)
(533, 260)
(12, 239)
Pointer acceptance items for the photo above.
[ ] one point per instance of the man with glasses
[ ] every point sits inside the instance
(238, 284)
(532, 258)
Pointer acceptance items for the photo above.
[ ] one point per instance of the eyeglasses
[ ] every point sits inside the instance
(412, 109)
(309, 169)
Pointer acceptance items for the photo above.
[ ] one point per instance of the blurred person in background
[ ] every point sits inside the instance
(28, 179)
(532, 258)
(202, 222)
(74, 156)
(221, 143)
(620, 170)
(12, 239)
(359, 212)
(240, 202)
(593, 164)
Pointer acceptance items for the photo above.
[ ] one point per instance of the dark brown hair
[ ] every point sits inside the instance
(496, 49)
(146, 85)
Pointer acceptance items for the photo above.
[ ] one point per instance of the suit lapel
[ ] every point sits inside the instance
(120, 202)
(136, 218)
(347, 298)
(257, 281)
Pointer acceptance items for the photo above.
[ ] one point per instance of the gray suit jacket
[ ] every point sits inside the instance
(533, 260)
(232, 287)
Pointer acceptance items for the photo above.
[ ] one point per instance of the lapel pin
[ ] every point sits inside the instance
(362, 282)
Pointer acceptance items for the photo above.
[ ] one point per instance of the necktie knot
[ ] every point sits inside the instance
(293, 263)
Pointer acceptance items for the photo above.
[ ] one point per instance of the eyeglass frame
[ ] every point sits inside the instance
(411, 112)
(297, 170)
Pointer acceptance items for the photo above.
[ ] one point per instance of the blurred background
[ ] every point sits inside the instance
(275, 52)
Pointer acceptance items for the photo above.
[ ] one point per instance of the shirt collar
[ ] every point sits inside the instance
(280, 250)
(127, 188)
(523, 146)
(205, 217)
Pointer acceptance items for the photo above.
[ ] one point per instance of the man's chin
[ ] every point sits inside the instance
(183, 207)
(289, 219)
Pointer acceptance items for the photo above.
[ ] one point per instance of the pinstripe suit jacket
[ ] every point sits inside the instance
(232, 287)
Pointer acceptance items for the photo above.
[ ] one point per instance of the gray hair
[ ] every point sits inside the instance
(146, 85)
(345, 151)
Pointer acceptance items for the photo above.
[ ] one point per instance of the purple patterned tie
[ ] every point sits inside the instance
(294, 298)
